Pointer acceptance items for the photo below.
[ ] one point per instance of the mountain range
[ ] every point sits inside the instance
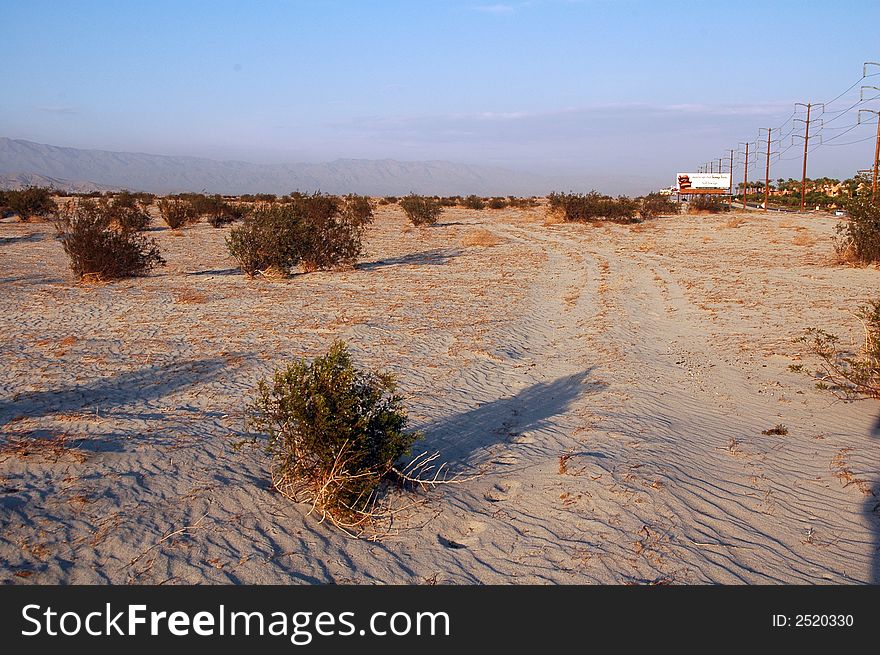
(26, 162)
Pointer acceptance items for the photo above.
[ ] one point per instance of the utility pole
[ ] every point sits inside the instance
(767, 170)
(876, 163)
(711, 166)
(746, 178)
(730, 190)
(806, 138)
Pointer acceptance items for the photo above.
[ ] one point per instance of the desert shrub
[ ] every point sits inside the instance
(390, 200)
(858, 238)
(266, 197)
(227, 213)
(247, 197)
(449, 201)
(421, 210)
(497, 203)
(654, 205)
(707, 203)
(265, 241)
(844, 372)
(177, 211)
(320, 231)
(330, 229)
(333, 433)
(98, 248)
(125, 212)
(592, 206)
(522, 203)
(31, 202)
(473, 202)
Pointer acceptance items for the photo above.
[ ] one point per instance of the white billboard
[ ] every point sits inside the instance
(686, 182)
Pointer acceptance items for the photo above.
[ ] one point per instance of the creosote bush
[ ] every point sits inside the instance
(654, 205)
(421, 210)
(125, 211)
(708, 203)
(473, 202)
(99, 248)
(177, 211)
(31, 202)
(845, 373)
(333, 433)
(497, 203)
(592, 206)
(318, 231)
(858, 238)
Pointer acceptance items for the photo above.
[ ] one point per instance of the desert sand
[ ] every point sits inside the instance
(610, 384)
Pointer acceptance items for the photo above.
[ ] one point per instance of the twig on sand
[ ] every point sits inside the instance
(168, 536)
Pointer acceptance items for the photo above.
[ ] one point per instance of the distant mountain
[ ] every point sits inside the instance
(163, 174)
(21, 180)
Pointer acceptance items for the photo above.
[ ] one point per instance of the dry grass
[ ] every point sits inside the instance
(483, 238)
(190, 297)
(736, 221)
(804, 240)
(842, 471)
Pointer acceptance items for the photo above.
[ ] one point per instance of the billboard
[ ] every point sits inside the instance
(703, 182)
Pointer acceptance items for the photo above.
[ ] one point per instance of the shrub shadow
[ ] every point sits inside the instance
(872, 512)
(462, 435)
(142, 385)
(435, 257)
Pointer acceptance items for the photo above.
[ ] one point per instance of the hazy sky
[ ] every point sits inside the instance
(604, 87)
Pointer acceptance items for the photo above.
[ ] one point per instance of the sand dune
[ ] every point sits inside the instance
(612, 383)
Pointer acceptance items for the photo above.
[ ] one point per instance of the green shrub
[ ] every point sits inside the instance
(319, 231)
(330, 229)
(31, 202)
(592, 206)
(654, 205)
(333, 433)
(265, 241)
(858, 238)
(177, 211)
(421, 210)
(99, 249)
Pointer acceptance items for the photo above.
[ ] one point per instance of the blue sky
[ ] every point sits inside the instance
(624, 88)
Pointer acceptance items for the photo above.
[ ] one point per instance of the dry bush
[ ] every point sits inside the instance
(473, 202)
(330, 229)
(177, 211)
(857, 239)
(734, 222)
(804, 240)
(421, 210)
(707, 203)
(592, 207)
(481, 238)
(98, 249)
(654, 205)
(31, 202)
(333, 433)
(497, 203)
(846, 373)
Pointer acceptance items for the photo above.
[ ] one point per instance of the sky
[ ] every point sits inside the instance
(633, 89)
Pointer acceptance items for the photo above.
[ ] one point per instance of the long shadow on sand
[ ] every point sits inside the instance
(129, 388)
(872, 511)
(498, 421)
(436, 257)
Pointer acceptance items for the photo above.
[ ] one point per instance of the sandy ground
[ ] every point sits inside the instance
(649, 358)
